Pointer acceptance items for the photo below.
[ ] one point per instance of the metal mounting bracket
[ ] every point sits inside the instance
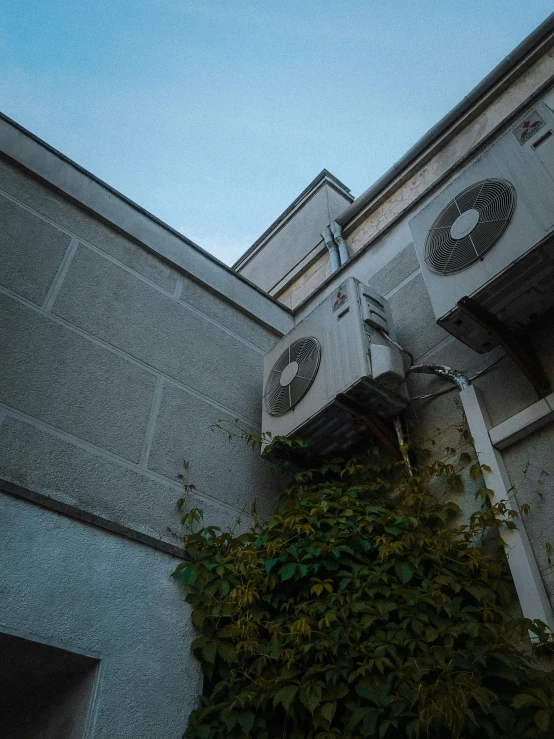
(512, 345)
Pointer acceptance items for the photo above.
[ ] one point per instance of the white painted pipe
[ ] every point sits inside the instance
(336, 230)
(332, 247)
(523, 565)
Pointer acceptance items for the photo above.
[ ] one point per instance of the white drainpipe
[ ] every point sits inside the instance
(525, 572)
(336, 230)
(332, 247)
(523, 565)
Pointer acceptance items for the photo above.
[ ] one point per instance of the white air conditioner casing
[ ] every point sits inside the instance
(357, 362)
(514, 280)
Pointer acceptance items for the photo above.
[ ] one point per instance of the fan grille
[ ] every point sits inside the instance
(488, 207)
(292, 375)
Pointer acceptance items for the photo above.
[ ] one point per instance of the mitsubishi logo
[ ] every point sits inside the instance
(528, 127)
(340, 297)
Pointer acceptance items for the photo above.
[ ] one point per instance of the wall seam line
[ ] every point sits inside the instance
(404, 282)
(151, 427)
(130, 270)
(128, 357)
(88, 517)
(178, 289)
(56, 284)
(110, 456)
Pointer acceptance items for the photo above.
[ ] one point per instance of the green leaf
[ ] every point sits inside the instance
(369, 724)
(285, 696)
(246, 721)
(288, 571)
(365, 691)
(226, 651)
(188, 575)
(384, 727)
(523, 699)
(209, 651)
(271, 563)
(407, 572)
(473, 629)
(542, 719)
(224, 588)
(357, 715)
(310, 695)
(328, 710)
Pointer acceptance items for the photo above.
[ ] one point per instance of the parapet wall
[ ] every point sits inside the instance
(115, 367)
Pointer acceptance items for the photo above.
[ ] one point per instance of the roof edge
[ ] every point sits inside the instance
(66, 176)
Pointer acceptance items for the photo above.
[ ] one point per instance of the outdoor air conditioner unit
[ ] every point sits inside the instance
(489, 235)
(339, 351)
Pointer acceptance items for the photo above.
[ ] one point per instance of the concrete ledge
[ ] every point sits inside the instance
(72, 511)
(523, 423)
(58, 171)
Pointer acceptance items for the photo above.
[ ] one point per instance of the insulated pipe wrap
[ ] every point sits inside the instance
(449, 373)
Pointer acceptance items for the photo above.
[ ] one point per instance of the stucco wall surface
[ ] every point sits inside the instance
(116, 367)
(78, 588)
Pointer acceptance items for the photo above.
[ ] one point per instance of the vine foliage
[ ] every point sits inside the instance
(363, 608)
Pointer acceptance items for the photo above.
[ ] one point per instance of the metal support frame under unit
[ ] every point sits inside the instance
(374, 423)
(512, 345)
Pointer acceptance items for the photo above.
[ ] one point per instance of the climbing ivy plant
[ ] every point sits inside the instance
(363, 608)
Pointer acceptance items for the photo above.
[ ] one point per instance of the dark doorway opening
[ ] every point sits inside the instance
(45, 692)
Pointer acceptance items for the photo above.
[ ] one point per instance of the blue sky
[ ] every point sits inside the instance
(214, 115)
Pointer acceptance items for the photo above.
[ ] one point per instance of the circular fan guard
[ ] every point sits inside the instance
(292, 375)
(469, 226)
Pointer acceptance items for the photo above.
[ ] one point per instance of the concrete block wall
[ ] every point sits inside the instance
(114, 368)
(114, 361)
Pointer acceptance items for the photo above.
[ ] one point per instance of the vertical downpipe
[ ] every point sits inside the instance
(336, 230)
(523, 566)
(332, 248)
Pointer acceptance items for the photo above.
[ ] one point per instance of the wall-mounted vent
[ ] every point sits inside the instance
(291, 375)
(469, 226)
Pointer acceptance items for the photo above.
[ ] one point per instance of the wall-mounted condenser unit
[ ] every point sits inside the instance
(342, 349)
(489, 234)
